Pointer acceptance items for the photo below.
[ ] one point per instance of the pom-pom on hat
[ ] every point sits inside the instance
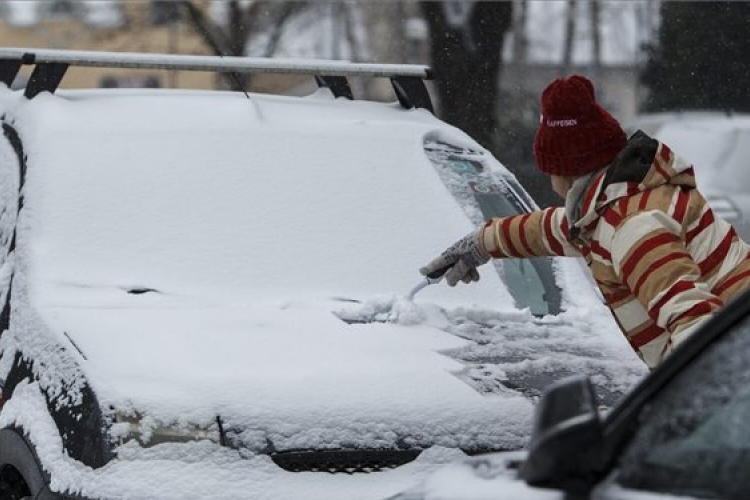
(576, 136)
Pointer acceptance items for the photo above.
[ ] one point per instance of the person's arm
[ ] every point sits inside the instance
(651, 259)
(543, 233)
(540, 233)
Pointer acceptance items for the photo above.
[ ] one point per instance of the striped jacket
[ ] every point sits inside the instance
(661, 257)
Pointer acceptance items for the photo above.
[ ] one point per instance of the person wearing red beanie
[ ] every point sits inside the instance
(663, 260)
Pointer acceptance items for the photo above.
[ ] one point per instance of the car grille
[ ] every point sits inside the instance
(343, 461)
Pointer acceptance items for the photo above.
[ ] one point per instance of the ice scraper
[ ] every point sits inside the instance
(431, 279)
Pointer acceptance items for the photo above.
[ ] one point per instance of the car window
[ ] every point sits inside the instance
(484, 194)
(694, 437)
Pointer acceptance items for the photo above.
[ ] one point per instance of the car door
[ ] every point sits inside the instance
(692, 438)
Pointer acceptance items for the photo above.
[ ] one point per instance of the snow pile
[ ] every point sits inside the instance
(396, 309)
(406, 312)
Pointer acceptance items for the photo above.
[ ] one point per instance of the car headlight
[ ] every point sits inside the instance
(148, 432)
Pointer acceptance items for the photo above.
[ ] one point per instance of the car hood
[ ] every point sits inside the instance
(288, 373)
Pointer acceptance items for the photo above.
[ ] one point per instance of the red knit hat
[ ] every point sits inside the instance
(576, 136)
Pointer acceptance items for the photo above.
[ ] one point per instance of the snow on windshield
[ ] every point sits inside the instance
(257, 198)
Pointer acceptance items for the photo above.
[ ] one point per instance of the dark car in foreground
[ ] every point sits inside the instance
(681, 433)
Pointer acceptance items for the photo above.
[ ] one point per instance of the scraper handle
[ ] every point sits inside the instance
(438, 273)
(431, 279)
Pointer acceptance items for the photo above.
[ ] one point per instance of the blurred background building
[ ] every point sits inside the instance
(492, 58)
(103, 25)
(362, 31)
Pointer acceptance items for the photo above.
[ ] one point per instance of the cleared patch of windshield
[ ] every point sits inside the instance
(483, 194)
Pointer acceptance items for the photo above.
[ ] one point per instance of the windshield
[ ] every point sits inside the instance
(484, 194)
(195, 194)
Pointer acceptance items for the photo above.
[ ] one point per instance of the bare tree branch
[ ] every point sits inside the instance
(217, 40)
(467, 60)
(284, 13)
(349, 21)
(213, 35)
(570, 29)
(596, 36)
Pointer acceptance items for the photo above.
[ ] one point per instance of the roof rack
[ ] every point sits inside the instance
(50, 67)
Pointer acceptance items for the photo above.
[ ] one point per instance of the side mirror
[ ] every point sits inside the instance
(566, 427)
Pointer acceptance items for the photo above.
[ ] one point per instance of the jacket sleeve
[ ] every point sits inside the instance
(650, 257)
(536, 234)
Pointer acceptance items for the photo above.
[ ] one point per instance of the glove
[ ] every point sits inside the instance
(462, 258)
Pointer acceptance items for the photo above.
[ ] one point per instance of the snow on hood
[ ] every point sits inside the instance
(199, 470)
(290, 373)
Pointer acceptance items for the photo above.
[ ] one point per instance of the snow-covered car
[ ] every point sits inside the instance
(202, 291)
(718, 146)
(681, 433)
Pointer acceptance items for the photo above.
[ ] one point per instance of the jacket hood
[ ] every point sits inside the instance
(642, 165)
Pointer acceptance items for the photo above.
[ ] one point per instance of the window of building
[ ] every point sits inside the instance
(130, 81)
(62, 9)
(164, 12)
